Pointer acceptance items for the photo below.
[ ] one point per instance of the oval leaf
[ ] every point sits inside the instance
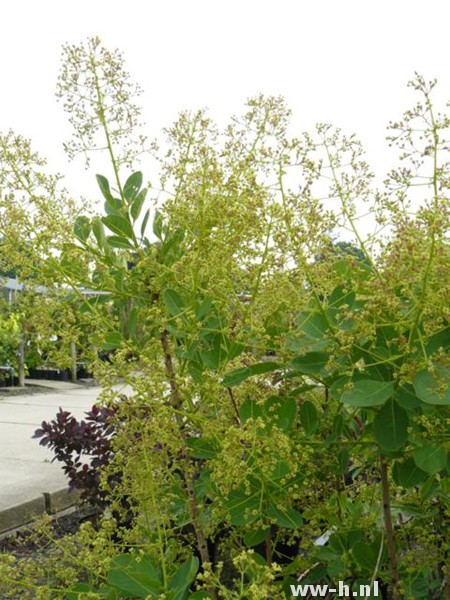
(116, 241)
(236, 377)
(136, 207)
(201, 448)
(144, 222)
(243, 508)
(431, 459)
(368, 392)
(132, 186)
(391, 426)
(183, 577)
(309, 417)
(406, 397)
(119, 225)
(433, 388)
(112, 341)
(99, 231)
(250, 409)
(138, 579)
(173, 302)
(103, 184)
(408, 474)
(113, 206)
(312, 363)
(82, 228)
(280, 411)
(285, 517)
(256, 536)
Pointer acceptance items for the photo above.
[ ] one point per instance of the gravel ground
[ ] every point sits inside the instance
(30, 389)
(24, 542)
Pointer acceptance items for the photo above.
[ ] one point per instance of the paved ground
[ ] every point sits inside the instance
(28, 478)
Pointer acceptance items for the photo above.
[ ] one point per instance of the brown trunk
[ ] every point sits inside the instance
(389, 528)
(73, 361)
(176, 403)
(21, 357)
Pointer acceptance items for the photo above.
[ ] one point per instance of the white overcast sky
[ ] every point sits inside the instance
(340, 61)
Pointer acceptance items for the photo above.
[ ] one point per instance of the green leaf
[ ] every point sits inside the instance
(173, 302)
(116, 241)
(82, 228)
(312, 363)
(132, 321)
(132, 186)
(341, 541)
(280, 411)
(171, 247)
(236, 377)
(278, 471)
(434, 387)
(391, 426)
(407, 474)
(368, 392)
(243, 508)
(201, 448)
(240, 375)
(312, 324)
(440, 340)
(341, 296)
(103, 184)
(338, 426)
(263, 367)
(99, 231)
(204, 488)
(431, 459)
(365, 555)
(113, 206)
(221, 350)
(179, 507)
(199, 596)
(250, 409)
(195, 369)
(158, 223)
(119, 225)
(339, 386)
(182, 579)
(406, 397)
(112, 341)
(203, 309)
(285, 517)
(233, 349)
(138, 202)
(137, 577)
(256, 536)
(309, 417)
(311, 334)
(343, 459)
(75, 591)
(144, 222)
(377, 362)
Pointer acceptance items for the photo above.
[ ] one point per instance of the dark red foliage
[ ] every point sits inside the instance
(85, 448)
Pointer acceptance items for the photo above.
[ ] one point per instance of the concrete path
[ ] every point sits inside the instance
(30, 483)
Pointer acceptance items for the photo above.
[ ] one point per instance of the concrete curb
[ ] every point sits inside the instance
(60, 500)
(48, 502)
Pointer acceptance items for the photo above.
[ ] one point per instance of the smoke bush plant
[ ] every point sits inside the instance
(85, 447)
(287, 387)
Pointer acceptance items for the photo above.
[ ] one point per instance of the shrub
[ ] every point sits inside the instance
(286, 390)
(85, 448)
